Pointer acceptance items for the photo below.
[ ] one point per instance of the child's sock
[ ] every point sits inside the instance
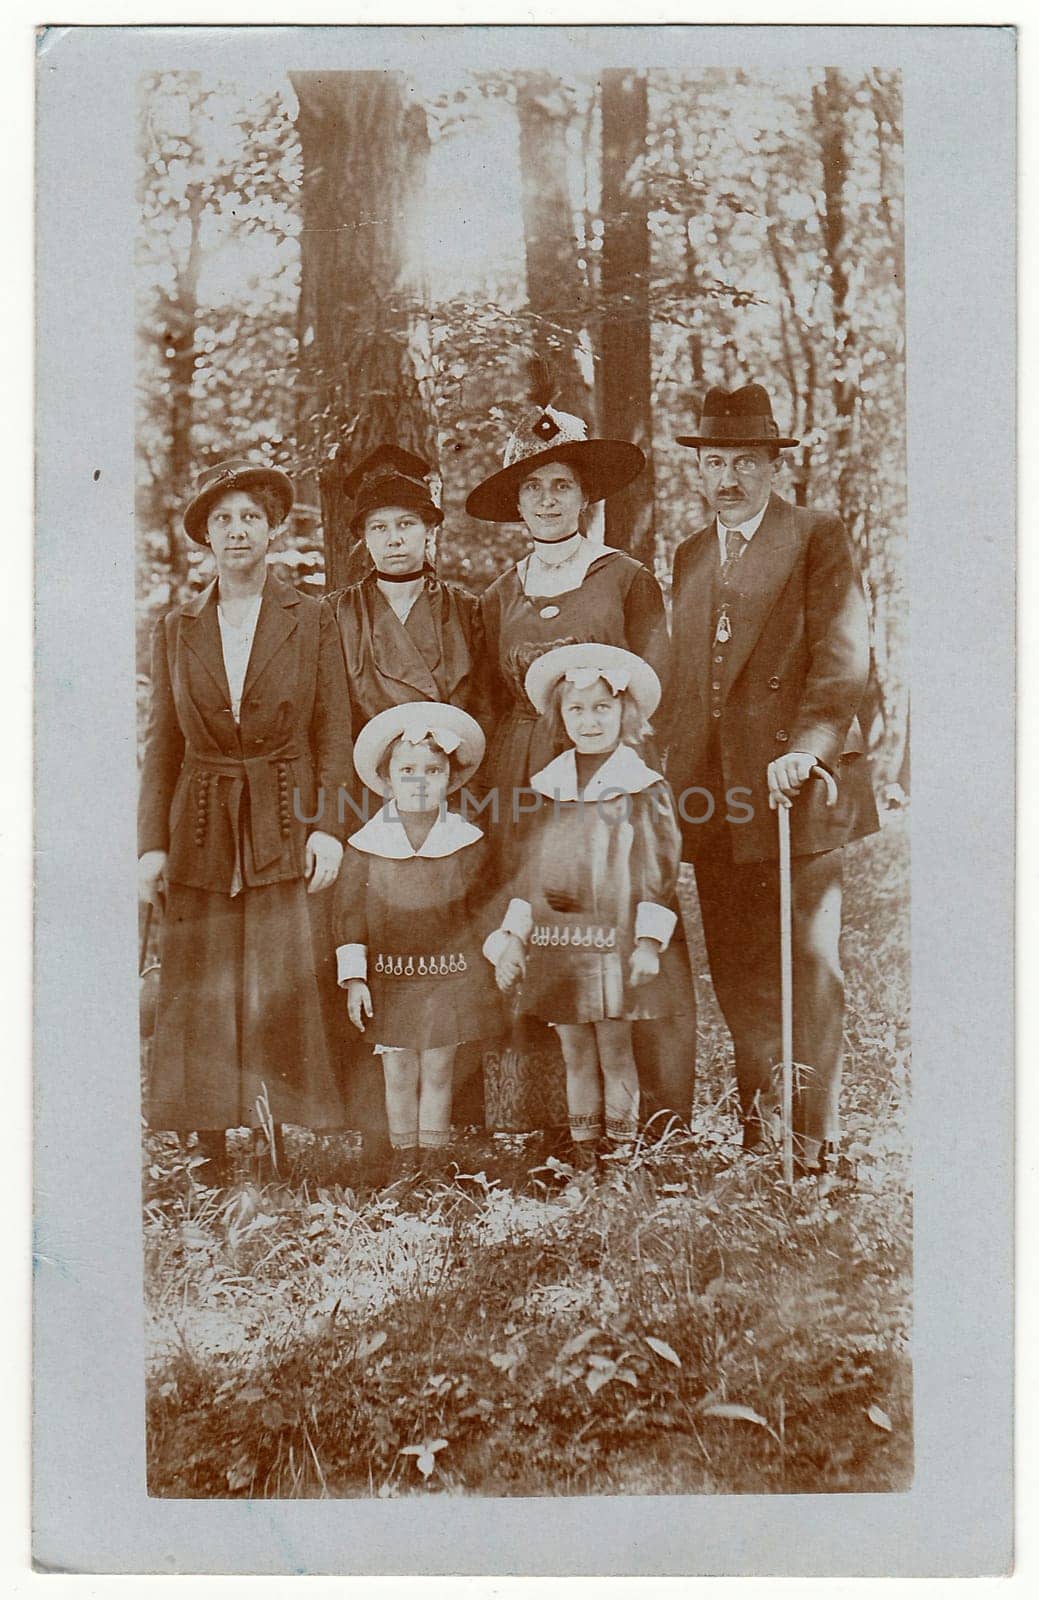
(585, 1127)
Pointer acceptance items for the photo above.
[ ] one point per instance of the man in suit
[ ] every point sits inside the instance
(770, 655)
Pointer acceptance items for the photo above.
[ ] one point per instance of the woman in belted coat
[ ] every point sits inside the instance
(248, 744)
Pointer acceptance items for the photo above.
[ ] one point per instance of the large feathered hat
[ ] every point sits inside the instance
(603, 465)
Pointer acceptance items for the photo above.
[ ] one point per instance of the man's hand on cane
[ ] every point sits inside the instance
(787, 774)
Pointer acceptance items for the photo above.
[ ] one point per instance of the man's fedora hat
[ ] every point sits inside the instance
(225, 477)
(743, 416)
(390, 476)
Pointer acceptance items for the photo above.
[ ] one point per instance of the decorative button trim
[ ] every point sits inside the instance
(589, 937)
(439, 964)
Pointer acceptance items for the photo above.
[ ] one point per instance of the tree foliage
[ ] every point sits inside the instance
(395, 273)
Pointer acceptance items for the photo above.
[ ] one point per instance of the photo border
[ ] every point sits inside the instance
(91, 1511)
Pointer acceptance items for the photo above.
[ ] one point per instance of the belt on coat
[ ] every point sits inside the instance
(265, 780)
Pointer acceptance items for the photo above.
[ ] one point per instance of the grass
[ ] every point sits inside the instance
(682, 1325)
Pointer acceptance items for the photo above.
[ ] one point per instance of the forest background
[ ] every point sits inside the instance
(336, 259)
(340, 258)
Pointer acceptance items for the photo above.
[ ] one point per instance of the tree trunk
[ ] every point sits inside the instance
(624, 376)
(555, 287)
(179, 350)
(364, 149)
(830, 103)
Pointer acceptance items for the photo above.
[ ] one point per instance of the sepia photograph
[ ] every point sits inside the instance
(539, 1001)
(524, 791)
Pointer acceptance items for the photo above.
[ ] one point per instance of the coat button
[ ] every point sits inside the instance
(773, 683)
(716, 712)
(715, 685)
(782, 736)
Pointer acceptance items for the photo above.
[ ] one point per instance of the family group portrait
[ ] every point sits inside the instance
(524, 786)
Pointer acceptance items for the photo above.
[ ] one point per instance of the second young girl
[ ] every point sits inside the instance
(408, 900)
(587, 933)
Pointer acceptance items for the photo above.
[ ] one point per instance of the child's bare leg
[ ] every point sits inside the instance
(583, 1080)
(436, 1071)
(401, 1075)
(621, 1078)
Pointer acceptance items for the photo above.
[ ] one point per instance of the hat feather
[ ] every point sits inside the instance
(542, 385)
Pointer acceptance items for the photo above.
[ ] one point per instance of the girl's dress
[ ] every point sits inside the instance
(409, 922)
(615, 600)
(600, 870)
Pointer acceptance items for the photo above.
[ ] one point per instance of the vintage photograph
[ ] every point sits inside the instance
(523, 710)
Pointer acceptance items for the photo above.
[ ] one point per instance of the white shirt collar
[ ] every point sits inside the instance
(385, 836)
(748, 529)
(623, 771)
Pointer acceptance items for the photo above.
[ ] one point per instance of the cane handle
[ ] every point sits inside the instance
(830, 782)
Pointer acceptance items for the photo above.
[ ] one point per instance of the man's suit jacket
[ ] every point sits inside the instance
(213, 791)
(792, 678)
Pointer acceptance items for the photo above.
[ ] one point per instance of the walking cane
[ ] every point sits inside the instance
(149, 912)
(148, 972)
(786, 960)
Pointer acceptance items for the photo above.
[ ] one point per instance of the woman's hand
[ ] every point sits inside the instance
(324, 853)
(151, 879)
(645, 962)
(510, 965)
(358, 1002)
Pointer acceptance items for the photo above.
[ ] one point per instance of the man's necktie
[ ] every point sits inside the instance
(734, 547)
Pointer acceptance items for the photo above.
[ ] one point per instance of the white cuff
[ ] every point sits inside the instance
(518, 919)
(351, 962)
(655, 922)
(494, 944)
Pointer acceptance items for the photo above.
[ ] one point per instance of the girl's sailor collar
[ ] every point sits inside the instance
(385, 836)
(624, 771)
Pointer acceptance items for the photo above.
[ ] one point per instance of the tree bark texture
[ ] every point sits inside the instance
(624, 374)
(364, 148)
(555, 286)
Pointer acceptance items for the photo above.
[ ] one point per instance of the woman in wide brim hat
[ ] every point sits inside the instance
(567, 589)
(248, 729)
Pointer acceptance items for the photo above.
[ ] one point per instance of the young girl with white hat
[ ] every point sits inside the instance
(588, 931)
(409, 898)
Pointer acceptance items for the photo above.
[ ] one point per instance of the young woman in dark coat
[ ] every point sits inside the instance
(248, 737)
